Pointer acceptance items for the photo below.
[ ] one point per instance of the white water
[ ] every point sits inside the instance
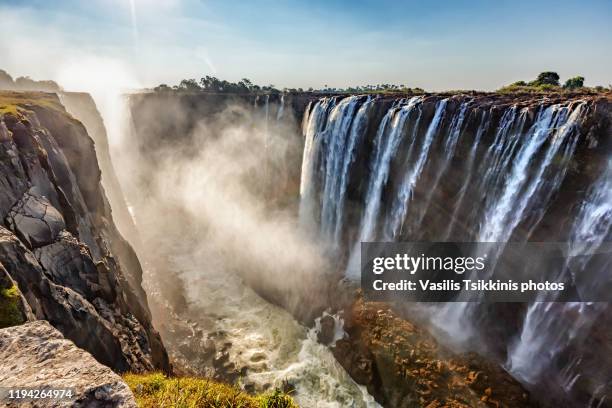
(265, 338)
(387, 140)
(544, 334)
(356, 135)
(281, 108)
(511, 182)
(505, 213)
(314, 124)
(337, 132)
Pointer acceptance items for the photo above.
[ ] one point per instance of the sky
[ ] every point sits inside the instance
(439, 45)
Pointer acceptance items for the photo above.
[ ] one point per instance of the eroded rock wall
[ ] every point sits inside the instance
(59, 243)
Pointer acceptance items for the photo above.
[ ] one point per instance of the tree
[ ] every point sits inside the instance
(189, 85)
(575, 82)
(162, 88)
(547, 78)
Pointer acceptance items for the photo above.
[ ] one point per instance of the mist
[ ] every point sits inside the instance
(224, 193)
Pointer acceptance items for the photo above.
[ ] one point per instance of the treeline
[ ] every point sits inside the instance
(379, 88)
(549, 81)
(245, 86)
(216, 85)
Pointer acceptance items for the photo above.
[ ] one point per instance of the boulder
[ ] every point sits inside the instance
(35, 220)
(35, 355)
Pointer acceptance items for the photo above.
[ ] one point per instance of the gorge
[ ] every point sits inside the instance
(479, 167)
(246, 213)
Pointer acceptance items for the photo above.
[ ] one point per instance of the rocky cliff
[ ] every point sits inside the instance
(58, 241)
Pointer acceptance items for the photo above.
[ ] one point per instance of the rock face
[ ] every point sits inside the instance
(58, 241)
(35, 355)
(404, 366)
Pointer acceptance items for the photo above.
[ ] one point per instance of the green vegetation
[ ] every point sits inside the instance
(575, 82)
(216, 85)
(373, 89)
(549, 82)
(546, 78)
(245, 86)
(157, 390)
(11, 313)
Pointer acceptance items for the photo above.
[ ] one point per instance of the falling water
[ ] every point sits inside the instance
(387, 140)
(356, 135)
(511, 164)
(402, 200)
(281, 108)
(544, 334)
(524, 181)
(335, 139)
(313, 127)
(483, 127)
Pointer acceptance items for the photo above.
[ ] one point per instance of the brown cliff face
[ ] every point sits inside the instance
(404, 366)
(58, 241)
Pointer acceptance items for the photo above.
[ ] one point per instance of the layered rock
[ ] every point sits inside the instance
(58, 241)
(36, 356)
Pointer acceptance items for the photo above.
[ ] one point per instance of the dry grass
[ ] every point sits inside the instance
(17, 103)
(157, 390)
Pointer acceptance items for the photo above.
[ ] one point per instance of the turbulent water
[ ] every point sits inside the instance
(265, 339)
(498, 169)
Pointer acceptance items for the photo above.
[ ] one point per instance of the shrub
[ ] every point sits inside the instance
(575, 82)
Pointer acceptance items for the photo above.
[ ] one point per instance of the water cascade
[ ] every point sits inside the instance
(466, 170)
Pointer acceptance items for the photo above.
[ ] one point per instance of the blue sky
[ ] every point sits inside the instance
(435, 45)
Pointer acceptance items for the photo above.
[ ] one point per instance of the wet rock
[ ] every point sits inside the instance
(36, 355)
(326, 334)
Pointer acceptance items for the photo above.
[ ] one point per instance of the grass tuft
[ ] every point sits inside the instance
(10, 307)
(157, 390)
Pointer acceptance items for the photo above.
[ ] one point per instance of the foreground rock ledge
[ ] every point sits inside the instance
(35, 355)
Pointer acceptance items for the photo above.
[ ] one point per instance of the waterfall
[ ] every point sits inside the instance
(500, 171)
(483, 127)
(332, 132)
(313, 128)
(281, 108)
(404, 195)
(356, 135)
(335, 139)
(544, 334)
(388, 137)
(525, 177)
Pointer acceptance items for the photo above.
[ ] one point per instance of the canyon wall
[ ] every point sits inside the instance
(58, 240)
(438, 167)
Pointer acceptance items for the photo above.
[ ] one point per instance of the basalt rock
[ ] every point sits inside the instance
(59, 243)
